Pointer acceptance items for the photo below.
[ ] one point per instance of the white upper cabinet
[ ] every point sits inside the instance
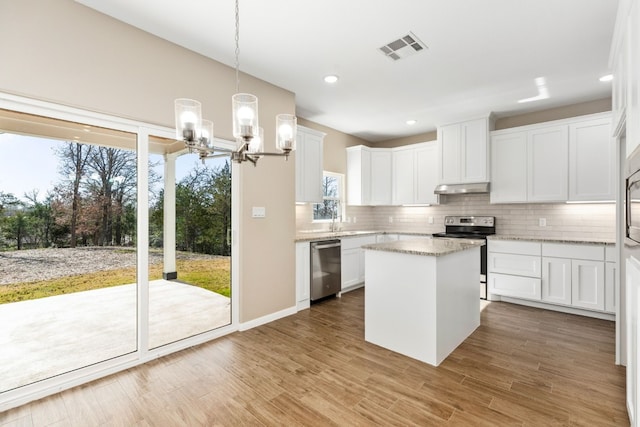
(548, 166)
(380, 176)
(426, 176)
(368, 176)
(565, 160)
(509, 168)
(591, 161)
(308, 157)
(404, 172)
(392, 176)
(359, 175)
(415, 174)
(463, 153)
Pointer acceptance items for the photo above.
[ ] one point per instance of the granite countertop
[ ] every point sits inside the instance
(326, 235)
(586, 240)
(426, 247)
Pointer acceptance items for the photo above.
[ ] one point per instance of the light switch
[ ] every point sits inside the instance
(258, 212)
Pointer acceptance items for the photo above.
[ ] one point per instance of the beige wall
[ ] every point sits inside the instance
(581, 109)
(547, 115)
(335, 142)
(63, 52)
(408, 140)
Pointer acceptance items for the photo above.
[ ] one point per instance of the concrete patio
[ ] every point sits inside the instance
(49, 336)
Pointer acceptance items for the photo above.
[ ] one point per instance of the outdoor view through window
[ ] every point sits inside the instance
(68, 251)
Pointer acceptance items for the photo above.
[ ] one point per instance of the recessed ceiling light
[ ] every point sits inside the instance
(606, 78)
(332, 78)
(411, 122)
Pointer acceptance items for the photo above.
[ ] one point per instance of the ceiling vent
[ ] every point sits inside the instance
(405, 46)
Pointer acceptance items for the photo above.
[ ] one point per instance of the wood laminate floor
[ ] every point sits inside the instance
(522, 367)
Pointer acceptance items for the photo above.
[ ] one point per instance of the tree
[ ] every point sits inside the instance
(113, 178)
(74, 158)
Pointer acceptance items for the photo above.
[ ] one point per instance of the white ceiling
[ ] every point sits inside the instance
(483, 55)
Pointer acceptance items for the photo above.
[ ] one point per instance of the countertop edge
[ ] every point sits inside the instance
(415, 247)
(553, 239)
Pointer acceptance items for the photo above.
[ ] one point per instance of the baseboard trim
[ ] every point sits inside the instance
(244, 326)
(560, 308)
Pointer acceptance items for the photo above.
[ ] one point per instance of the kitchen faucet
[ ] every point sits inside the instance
(334, 215)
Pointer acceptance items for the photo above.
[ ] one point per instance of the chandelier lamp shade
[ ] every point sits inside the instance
(197, 133)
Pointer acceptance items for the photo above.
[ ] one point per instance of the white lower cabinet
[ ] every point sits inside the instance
(587, 284)
(610, 287)
(383, 238)
(571, 275)
(303, 275)
(514, 286)
(352, 258)
(556, 280)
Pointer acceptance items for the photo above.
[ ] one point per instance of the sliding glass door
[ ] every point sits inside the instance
(83, 289)
(67, 247)
(190, 248)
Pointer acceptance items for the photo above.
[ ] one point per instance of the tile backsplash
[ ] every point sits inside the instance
(577, 221)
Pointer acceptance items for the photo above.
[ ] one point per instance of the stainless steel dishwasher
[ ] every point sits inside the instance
(326, 268)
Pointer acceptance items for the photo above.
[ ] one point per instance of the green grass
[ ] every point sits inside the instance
(212, 275)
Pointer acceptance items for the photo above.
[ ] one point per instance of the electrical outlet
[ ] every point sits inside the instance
(430, 220)
(542, 222)
(390, 220)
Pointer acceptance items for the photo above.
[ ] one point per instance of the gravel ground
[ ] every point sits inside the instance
(42, 264)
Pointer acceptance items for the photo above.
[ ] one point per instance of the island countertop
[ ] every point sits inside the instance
(425, 247)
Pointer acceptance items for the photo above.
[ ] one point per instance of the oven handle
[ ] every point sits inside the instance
(330, 245)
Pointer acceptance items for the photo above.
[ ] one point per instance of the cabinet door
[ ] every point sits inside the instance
(556, 280)
(610, 288)
(449, 162)
(403, 176)
(308, 158)
(350, 273)
(381, 177)
(427, 173)
(509, 168)
(358, 176)
(303, 274)
(473, 151)
(548, 164)
(587, 286)
(591, 161)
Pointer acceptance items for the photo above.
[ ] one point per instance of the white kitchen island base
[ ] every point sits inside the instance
(419, 305)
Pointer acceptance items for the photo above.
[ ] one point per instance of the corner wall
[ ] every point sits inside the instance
(63, 52)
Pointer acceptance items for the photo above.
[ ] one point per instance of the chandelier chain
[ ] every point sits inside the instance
(237, 47)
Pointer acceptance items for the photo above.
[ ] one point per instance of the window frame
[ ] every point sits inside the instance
(340, 199)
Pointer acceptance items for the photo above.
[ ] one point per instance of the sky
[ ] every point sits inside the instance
(28, 163)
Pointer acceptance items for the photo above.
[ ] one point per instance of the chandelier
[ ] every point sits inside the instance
(197, 133)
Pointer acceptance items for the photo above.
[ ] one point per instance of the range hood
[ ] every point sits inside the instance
(476, 187)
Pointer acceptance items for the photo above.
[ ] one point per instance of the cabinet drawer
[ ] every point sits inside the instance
(520, 265)
(514, 286)
(565, 250)
(514, 247)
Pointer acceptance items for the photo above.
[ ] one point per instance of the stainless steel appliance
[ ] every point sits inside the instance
(632, 215)
(471, 227)
(326, 268)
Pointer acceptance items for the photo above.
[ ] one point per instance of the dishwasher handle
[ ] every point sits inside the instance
(326, 246)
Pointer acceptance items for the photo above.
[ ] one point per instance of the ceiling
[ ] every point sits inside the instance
(482, 56)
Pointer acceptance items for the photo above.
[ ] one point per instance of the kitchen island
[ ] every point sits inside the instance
(422, 297)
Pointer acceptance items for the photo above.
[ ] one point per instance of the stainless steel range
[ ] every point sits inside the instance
(471, 227)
